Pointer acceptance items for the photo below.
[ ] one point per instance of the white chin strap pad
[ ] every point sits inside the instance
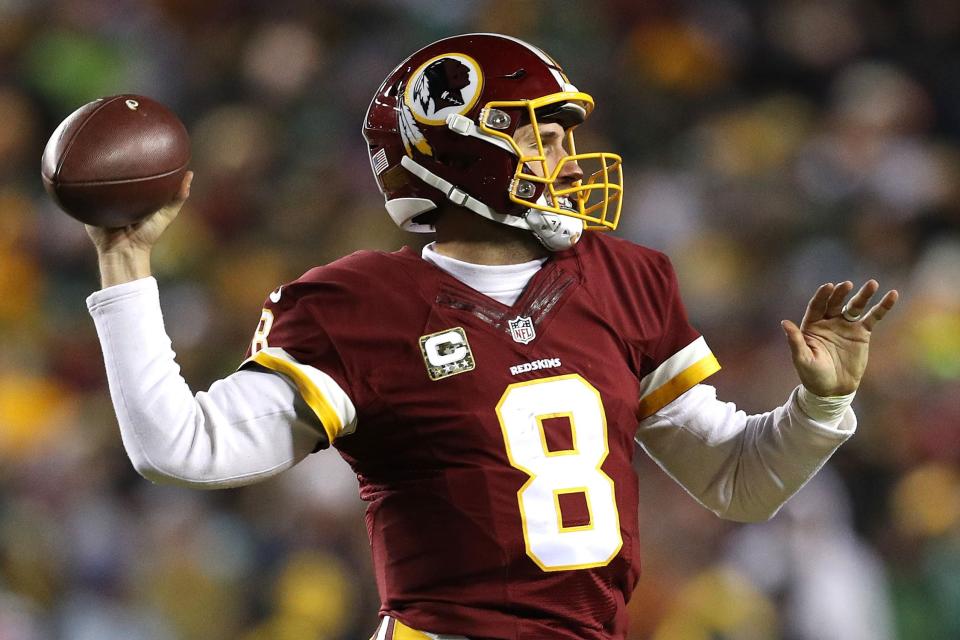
(554, 231)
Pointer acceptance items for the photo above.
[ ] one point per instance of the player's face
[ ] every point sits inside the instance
(554, 148)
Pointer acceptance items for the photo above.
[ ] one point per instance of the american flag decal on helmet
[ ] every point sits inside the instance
(379, 161)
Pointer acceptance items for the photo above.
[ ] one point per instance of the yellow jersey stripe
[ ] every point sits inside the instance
(678, 385)
(392, 629)
(403, 632)
(308, 391)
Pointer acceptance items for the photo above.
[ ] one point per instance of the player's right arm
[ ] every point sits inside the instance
(124, 253)
(246, 427)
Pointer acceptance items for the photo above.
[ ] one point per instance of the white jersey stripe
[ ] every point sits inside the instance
(673, 366)
(382, 629)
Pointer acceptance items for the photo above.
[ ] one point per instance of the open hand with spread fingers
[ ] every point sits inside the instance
(831, 345)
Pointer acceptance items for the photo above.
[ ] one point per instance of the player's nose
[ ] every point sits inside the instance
(570, 172)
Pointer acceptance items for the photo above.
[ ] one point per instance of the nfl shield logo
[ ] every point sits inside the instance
(521, 329)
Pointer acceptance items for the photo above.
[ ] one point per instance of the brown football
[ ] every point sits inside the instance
(115, 160)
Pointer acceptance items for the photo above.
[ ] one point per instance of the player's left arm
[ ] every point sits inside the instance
(745, 467)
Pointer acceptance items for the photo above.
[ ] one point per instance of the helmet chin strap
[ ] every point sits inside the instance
(555, 231)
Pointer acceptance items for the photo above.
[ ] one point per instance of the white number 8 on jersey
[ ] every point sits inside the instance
(521, 410)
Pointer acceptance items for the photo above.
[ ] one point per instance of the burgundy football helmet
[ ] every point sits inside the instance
(440, 128)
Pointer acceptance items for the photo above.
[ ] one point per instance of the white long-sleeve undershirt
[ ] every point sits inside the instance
(742, 467)
(248, 426)
(252, 425)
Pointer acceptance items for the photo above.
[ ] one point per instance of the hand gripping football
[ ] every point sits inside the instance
(115, 160)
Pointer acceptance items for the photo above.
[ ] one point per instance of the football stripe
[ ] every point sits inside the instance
(322, 394)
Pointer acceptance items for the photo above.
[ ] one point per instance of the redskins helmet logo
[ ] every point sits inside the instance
(446, 84)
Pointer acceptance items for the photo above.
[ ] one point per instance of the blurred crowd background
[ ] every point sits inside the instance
(769, 146)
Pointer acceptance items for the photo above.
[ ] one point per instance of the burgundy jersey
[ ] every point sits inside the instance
(493, 443)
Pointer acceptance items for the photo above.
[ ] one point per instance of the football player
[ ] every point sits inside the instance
(490, 392)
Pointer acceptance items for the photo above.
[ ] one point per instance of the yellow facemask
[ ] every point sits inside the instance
(597, 199)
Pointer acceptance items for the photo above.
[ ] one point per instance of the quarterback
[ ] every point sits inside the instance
(491, 391)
